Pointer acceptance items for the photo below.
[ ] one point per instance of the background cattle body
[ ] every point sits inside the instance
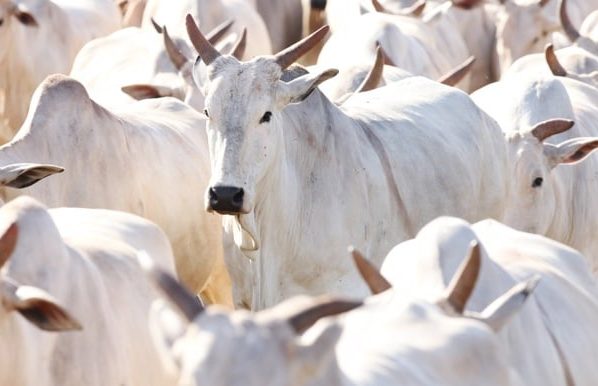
(87, 260)
(551, 341)
(546, 198)
(39, 38)
(148, 158)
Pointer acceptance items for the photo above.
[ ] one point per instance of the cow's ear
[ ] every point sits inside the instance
(298, 89)
(500, 311)
(22, 175)
(571, 151)
(167, 328)
(147, 91)
(313, 351)
(38, 307)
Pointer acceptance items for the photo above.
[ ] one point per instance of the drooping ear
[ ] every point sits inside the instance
(571, 151)
(500, 311)
(314, 351)
(38, 307)
(147, 91)
(298, 89)
(22, 175)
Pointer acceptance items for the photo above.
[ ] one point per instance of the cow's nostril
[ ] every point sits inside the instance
(213, 196)
(238, 197)
(1, 22)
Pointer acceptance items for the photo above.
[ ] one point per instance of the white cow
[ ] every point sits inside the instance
(552, 341)
(433, 342)
(149, 158)
(133, 64)
(83, 259)
(210, 14)
(578, 61)
(411, 44)
(280, 167)
(525, 28)
(547, 196)
(42, 37)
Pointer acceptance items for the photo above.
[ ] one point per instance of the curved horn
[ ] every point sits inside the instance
(465, 4)
(374, 76)
(414, 10)
(187, 303)
(570, 30)
(324, 307)
(218, 33)
(239, 48)
(551, 127)
(457, 74)
(387, 60)
(542, 3)
(8, 242)
(290, 54)
(553, 62)
(204, 48)
(156, 26)
(370, 274)
(175, 55)
(461, 286)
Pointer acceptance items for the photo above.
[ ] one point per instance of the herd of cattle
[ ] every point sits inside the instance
(232, 150)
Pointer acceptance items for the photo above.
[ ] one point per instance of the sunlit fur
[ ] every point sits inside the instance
(209, 14)
(559, 208)
(28, 53)
(86, 259)
(318, 178)
(149, 158)
(562, 310)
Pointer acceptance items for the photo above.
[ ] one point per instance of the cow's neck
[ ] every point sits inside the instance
(305, 175)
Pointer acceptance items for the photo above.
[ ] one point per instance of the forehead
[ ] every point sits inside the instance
(231, 79)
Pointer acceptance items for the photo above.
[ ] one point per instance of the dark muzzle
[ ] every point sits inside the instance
(226, 199)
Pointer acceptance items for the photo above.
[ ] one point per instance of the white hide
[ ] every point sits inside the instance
(86, 259)
(283, 20)
(579, 63)
(561, 208)
(209, 14)
(317, 178)
(429, 347)
(126, 57)
(524, 27)
(28, 52)
(149, 158)
(554, 332)
(411, 45)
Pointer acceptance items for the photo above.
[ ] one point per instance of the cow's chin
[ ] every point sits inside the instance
(245, 232)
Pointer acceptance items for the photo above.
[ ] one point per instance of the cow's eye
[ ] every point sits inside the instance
(537, 182)
(205, 112)
(26, 18)
(266, 117)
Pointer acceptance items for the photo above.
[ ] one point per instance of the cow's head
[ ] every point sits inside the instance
(32, 303)
(218, 347)
(243, 104)
(521, 30)
(533, 193)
